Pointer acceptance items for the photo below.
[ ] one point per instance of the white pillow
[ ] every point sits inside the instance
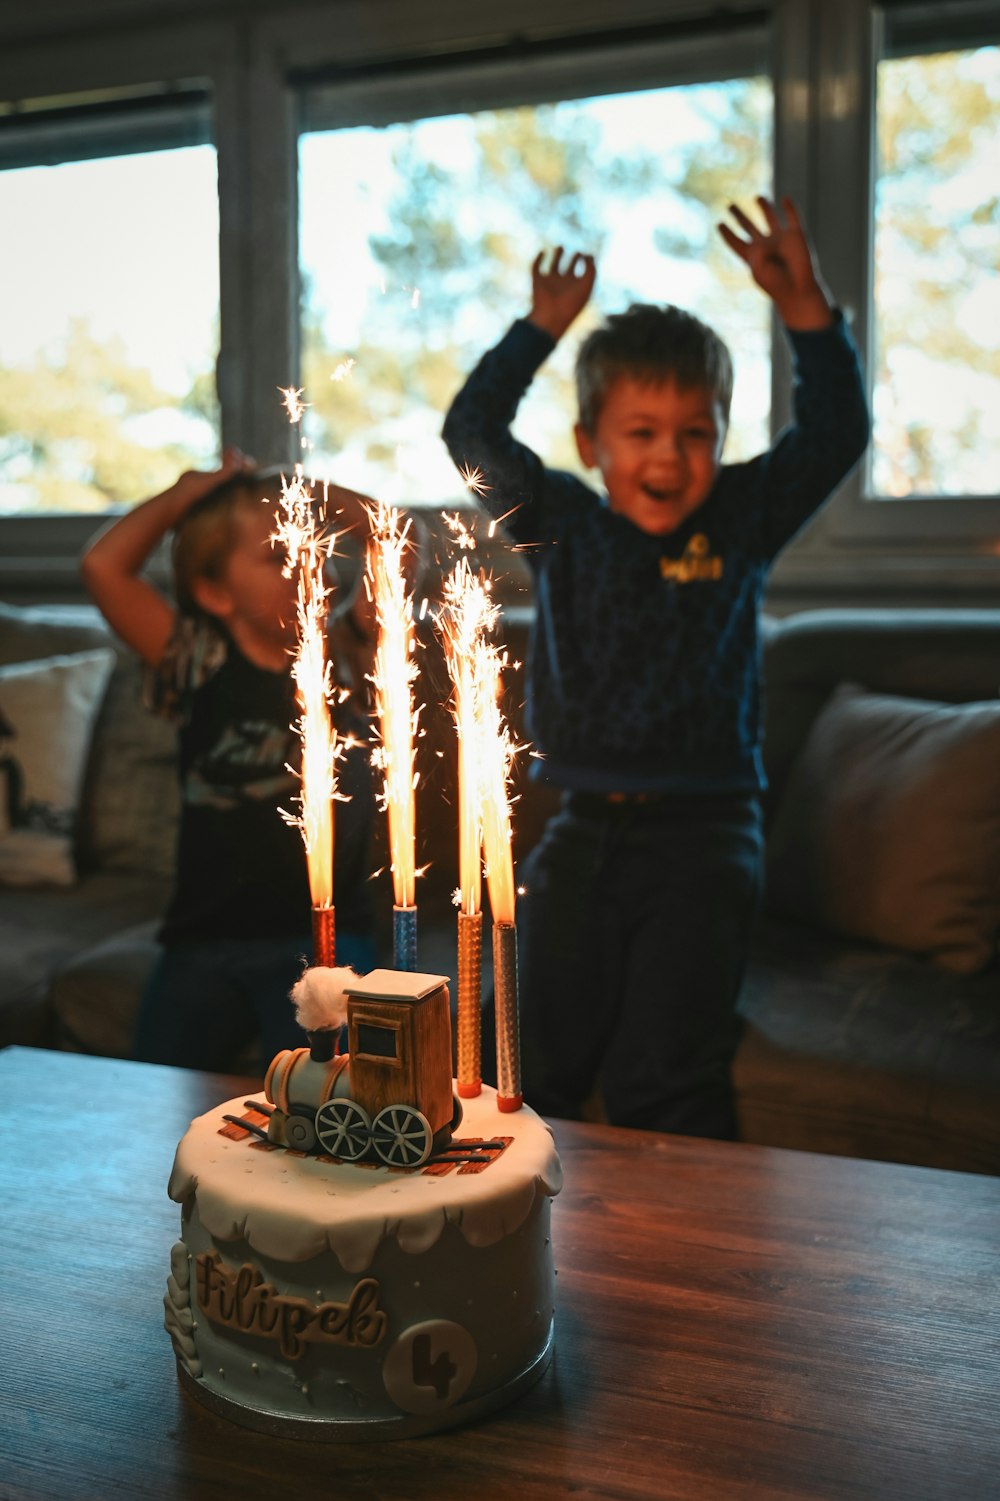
(48, 710)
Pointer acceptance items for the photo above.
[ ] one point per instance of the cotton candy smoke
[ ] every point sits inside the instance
(320, 998)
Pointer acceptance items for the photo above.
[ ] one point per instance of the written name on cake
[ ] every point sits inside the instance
(240, 1299)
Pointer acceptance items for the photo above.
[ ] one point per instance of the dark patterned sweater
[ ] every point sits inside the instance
(643, 667)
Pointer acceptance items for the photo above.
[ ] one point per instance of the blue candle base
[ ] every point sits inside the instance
(404, 938)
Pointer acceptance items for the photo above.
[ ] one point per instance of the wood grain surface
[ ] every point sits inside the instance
(732, 1322)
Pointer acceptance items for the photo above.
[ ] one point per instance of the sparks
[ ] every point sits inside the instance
(300, 534)
(293, 403)
(343, 370)
(461, 533)
(473, 479)
(393, 677)
(485, 749)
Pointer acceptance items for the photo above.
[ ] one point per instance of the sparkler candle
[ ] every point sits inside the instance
(485, 756)
(395, 670)
(301, 531)
(495, 773)
(468, 614)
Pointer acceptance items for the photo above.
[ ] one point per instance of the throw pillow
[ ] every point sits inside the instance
(47, 714)
(889, 829)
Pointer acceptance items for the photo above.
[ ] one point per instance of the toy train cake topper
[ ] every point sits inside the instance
(390, 1095)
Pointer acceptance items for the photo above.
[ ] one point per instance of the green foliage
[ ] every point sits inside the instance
(461, 235)
(65, 439)
(937, 238)
(465, 234)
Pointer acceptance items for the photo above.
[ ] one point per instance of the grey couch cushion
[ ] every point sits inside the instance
(39, 934)
(95, 997)
(889, 829)
(132, 796)
(131, 800)
(861, 1051)
(28, 632)
(950, 655)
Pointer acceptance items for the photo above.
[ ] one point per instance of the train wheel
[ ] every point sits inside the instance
(344, 1129)
(300, 1133)
(457, 1112)
(402, 1136)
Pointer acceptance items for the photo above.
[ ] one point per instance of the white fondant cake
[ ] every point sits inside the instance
(348, 1300)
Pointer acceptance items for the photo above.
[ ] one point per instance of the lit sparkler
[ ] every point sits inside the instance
(293, 403)
(393, 677)
(302, 535)
(460, 532)
(485, 757)
(473, 479)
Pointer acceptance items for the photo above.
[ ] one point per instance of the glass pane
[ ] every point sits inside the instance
(110, 330)
(937, 275)
(417, 239)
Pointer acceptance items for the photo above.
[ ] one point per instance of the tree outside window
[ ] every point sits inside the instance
(110, 330)
(937, 275)
(417, 239)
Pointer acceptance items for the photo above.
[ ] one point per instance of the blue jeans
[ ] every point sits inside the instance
(633, 934)
(206, 1000)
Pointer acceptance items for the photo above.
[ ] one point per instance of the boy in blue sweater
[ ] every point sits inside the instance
(643, 675)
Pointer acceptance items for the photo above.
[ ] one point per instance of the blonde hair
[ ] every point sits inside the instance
(208, 532)
(654, 344)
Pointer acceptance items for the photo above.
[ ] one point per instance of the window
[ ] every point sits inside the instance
(936, 356)
(416, 240)
(108, 343)
(888, 112)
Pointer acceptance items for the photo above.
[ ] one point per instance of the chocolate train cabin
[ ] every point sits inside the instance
(390, 1095)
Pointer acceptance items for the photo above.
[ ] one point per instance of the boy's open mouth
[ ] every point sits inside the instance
(655, 493)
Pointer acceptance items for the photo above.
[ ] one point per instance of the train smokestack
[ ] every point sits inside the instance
(323, 1044)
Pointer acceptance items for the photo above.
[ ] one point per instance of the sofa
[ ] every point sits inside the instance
(871, 1004)
(122, 844)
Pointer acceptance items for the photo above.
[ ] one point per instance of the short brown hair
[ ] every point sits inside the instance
(207, 532)
(654, 344)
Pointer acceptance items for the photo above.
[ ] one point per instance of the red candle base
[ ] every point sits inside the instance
(324, 933)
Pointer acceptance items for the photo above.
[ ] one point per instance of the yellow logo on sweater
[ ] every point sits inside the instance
(696, 565)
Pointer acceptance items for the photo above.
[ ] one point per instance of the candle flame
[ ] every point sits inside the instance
(302, 534)
(393, 677)
(485, 750)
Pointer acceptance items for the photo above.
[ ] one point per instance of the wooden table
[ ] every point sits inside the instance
(732, 1321)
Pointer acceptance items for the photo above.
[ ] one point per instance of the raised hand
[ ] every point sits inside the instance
(782, 263)
(194, 484)
(559, 293)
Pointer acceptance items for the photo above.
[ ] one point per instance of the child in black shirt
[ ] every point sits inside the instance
(237, 928)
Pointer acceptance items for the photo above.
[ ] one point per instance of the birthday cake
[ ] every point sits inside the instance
(360, 1256)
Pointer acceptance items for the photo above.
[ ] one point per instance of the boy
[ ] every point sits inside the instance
(238, 924)
(643, 671)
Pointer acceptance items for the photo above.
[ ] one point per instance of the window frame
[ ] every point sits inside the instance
(255, 65)
(861, 541)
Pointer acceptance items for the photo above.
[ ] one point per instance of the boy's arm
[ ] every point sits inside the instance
(782, 263)
(560, 293)
(112, 563)
(477, 428)
(830, 429)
